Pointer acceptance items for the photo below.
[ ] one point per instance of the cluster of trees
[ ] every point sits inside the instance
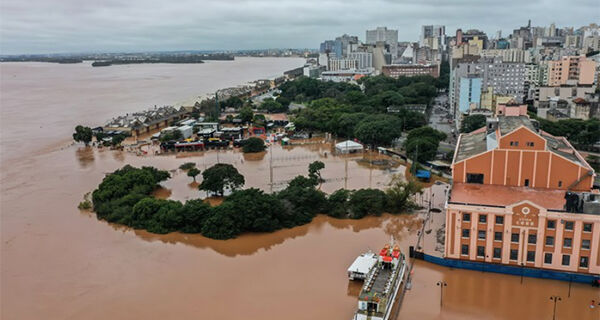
(422, 143)
(125, 197)
(472, 123)
(85, 135)
(347, 111)
(581, 133)
(271, 105)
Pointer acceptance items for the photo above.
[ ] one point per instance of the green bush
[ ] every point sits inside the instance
(253, 144)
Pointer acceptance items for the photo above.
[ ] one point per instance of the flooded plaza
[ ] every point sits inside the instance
(58, 262)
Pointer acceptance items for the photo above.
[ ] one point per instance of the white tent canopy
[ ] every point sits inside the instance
(348, 146)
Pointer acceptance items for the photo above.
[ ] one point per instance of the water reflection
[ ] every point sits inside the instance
(85, 156)
(249, 244)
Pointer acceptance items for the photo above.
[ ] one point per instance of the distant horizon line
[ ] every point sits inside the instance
(151, 51)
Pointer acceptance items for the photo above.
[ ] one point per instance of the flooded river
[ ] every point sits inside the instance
(60, 263)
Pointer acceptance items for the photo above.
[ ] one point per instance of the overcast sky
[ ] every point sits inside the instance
(55, 26)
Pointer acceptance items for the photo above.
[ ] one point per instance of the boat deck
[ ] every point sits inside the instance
(380, 281)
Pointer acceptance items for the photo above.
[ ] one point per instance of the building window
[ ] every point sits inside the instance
(550, 241)
(466, 217)
(465, 233)
(566, 260)
(551, 224)
(498, 236)
(568, 243)
(482, 218)
(514, 253)
(530, 256)
(526, 183)
(583, 262)
(475, 178)
(532, 239)
(514, 237)
(464, 250)
(480, 251)
(585, 244)
(548, 258)
(587, 227)
(559, 184)
(569, 225)
(481, 234)
(497, 253)
(499, 220)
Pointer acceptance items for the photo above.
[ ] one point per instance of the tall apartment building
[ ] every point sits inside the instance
(469, 96)
(364, 59)
(505, 78)
(508, 55)
(433, 36)
(571, 70)
(522, 197)
(342, 64)
(385, 35)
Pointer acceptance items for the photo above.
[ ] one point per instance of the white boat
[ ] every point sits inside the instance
(382, 284)
(362, 265)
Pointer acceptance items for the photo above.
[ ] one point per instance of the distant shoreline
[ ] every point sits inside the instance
(108, 60)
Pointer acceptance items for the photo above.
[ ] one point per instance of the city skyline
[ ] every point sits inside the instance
(108, 26)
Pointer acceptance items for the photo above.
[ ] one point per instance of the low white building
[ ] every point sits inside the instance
(348, 146)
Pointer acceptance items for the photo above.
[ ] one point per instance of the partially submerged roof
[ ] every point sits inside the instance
(469, 193)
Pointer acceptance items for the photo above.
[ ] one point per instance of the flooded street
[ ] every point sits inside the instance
(60, 263)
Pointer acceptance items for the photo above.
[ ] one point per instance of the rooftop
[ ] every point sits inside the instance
(469, 193)
(479, 141)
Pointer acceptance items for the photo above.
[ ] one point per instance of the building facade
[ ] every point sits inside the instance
(410, 70)
(388, 36)
(522, 197)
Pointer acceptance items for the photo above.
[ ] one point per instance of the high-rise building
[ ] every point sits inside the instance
(571, 70)
(433, 36)
(385, 35)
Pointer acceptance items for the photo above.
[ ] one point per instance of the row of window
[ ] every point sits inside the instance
(550, 224)
(514, 254)
(531, 239)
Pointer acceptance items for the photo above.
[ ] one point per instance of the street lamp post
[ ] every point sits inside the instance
(570, 282)
(555, 299)
(522, 267)
(441, 284)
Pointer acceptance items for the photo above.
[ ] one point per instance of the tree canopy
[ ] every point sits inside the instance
(423, 142)
(343, 109)
(220, 177)
(253, 144)
(83, 134)
(472, 123)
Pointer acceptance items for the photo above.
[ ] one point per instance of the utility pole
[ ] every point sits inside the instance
(345, 173)
(441, 284)
(555, 299)
(271, 167)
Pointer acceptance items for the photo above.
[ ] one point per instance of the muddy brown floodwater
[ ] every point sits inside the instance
(60, 263)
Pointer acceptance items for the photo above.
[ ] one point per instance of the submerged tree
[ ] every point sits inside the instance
(83, 134)
(219, 177)
(193, 172)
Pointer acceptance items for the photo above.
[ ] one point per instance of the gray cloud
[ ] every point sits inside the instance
(44, 26)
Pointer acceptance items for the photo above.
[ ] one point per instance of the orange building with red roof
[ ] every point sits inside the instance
(521, 196)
